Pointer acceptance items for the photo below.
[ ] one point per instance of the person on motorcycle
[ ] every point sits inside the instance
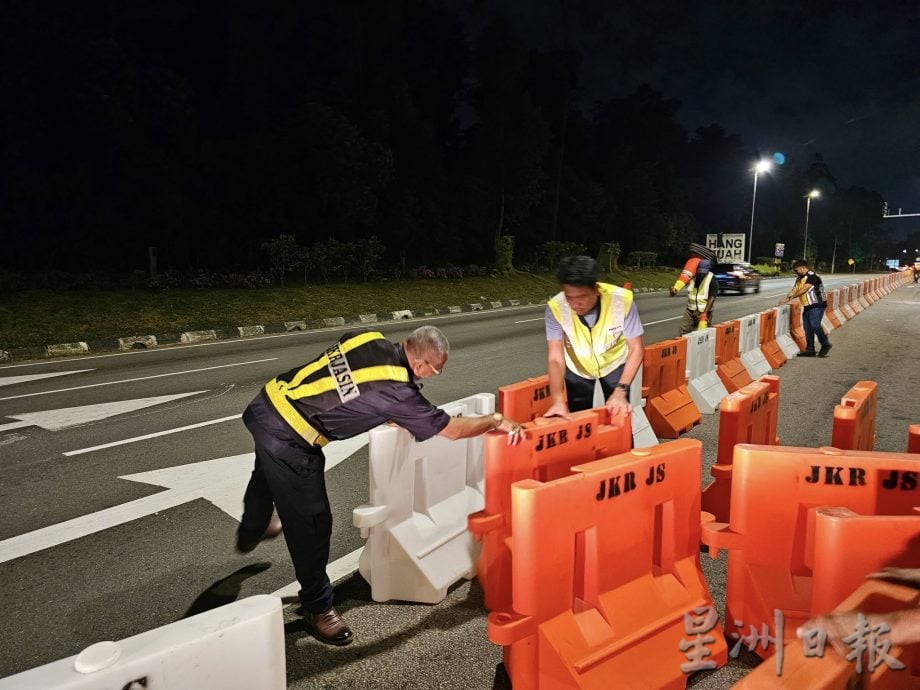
(916, 269)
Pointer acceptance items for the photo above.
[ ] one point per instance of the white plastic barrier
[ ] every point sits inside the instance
(749, 346)
(845, 305)
(703, 383)
(239, 646)
(783, 331)
(861, 296)
(836, 299)
(418, 543)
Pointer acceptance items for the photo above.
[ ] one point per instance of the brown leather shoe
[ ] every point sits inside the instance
(273, 530)
(329, 627)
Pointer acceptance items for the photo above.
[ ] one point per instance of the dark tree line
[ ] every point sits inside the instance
(206, 129)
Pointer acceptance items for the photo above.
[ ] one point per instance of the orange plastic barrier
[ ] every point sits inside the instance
(830, 671)
(913, 438)
(775, 492)
(796, 329)
(669, 407)
(607, 584)
(748, 415)
(525, 400)
(849, 546)
(731, 371)
(829, 311)
(768, 345)
(854, 418)
(550, 448)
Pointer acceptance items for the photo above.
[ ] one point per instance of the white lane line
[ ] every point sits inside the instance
(529, 320)
(140, 378)
(145, 437)
(11, 380)
(652, 323)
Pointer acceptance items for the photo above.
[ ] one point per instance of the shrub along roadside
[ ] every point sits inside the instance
(33, 318)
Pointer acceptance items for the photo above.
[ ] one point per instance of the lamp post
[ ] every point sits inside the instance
(813, 194)
(762, 166)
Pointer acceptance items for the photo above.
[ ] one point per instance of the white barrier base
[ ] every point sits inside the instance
(418, 543)
(755, 363)
(707, 392)
(787, 345)
(239, 646)
(643, 434)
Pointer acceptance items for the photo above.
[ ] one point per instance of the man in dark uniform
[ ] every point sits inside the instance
(360, 382)
(809, 290)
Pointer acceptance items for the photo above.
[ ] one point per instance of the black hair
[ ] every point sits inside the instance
(577, 270)
(798, 263)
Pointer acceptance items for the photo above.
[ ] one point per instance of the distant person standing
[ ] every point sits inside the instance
(701, 295)
(593, 333)
(809, 290)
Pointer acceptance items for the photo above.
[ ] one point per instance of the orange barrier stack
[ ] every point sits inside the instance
(525, 400)
(830, 308)
(607, 584)
(849, 546)
(748, 415)
(729, 367)
(913, 438)
(829, 670)
(796, 329)
(669, 407)
(869, 291)
(775, 493)
(768, 345)
(550, 448)
(854, 418)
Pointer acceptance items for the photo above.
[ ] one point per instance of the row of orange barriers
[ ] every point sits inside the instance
(589, 549)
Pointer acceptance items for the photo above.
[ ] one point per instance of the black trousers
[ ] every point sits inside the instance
(290, 477)
(580, 391)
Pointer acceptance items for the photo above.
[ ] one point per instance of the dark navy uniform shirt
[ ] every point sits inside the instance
(398, 402)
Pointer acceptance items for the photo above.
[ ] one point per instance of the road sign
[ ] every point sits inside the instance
(851, 261)
(780, 248)
(728, 248)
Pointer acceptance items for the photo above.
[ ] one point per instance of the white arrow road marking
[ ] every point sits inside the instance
(10, 380)
(140, 378)
(221, 481)
(145, 437)
(67, 417)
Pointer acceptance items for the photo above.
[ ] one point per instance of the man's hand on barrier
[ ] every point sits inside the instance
(618, 402)
(559, 409)
(907, 576)
(672, 291)
(514, 430)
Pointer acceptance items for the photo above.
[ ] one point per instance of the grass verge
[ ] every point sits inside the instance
(34, 318)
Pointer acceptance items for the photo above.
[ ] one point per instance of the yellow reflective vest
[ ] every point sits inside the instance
(360, 361)
(595, 352)
(697, 297)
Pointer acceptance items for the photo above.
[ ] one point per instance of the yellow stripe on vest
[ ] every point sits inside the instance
(323, 361)
(383, 372)
(287, 411)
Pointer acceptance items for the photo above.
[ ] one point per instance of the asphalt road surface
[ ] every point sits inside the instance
(121, 481)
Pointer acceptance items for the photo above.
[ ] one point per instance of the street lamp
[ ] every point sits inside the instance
(813, 194)
(762, 166)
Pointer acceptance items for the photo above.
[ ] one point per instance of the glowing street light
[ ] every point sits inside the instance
(813, 194)
(761, 166)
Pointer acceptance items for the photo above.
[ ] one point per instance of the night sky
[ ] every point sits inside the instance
(837, 78)
(209, 129)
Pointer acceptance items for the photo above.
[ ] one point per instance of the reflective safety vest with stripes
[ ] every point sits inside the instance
(357, 363)
(595, 352)
(697, 297)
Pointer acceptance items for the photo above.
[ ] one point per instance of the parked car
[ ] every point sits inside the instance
(737, 277)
